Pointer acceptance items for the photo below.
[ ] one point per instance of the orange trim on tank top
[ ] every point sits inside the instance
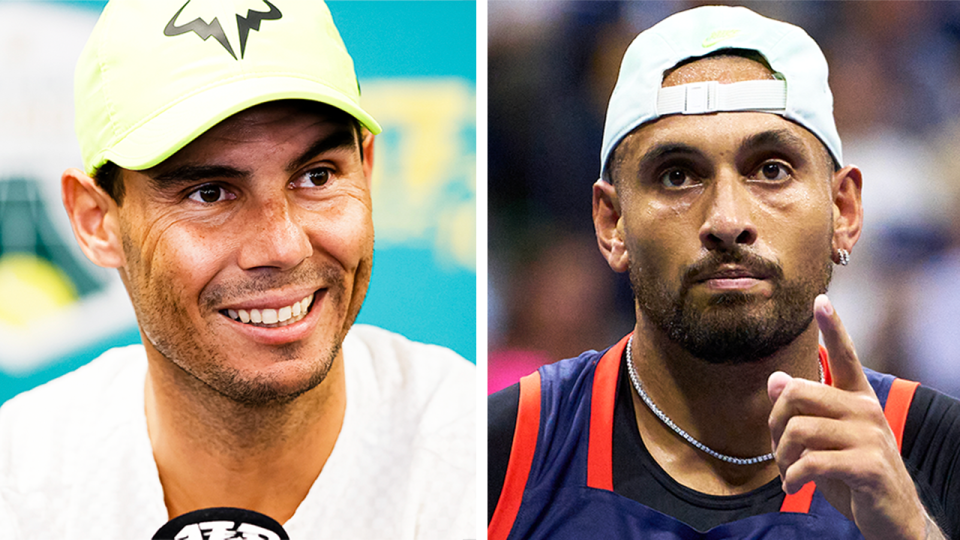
(521, 458)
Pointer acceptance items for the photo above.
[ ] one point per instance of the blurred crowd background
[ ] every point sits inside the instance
(895, 75)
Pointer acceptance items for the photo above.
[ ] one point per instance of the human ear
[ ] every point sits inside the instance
(93, 216)
(367, 144)
(609, 226)
(847, 209)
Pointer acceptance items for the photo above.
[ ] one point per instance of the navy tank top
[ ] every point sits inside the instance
(559, 481)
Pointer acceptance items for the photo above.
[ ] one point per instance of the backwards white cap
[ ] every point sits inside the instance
(799, 91)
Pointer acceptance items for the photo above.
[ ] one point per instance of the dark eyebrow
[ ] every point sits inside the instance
(191, 174)
(341, 139)
(662, 150)
(777, 138)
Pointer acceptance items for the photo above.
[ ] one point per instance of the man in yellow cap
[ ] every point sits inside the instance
(227, 171)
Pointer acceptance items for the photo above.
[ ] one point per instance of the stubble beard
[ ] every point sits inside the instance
(165, 323)
(733, 327)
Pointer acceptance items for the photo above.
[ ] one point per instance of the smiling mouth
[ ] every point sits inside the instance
(270, 317)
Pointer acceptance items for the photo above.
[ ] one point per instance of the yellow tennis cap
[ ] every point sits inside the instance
(156, 74)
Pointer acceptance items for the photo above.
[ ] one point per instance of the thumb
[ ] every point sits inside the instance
(776, 383)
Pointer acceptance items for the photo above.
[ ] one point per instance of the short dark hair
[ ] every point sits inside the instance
(110, 179)
(109, 176)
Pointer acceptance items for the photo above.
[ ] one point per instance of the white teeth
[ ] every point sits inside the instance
(272, 318)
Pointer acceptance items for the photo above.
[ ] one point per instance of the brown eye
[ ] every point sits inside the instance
(674, 178)
(319, 177)
(210, 193)
(773, 171)
(314, 178)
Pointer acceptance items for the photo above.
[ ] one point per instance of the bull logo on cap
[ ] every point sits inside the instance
(205, 30)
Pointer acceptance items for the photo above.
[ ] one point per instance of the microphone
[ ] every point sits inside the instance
(222, 524)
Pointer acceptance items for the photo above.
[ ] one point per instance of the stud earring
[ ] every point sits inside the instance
(844, 256)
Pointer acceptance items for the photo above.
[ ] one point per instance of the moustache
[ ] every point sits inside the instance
(715, 260)
(315, 277)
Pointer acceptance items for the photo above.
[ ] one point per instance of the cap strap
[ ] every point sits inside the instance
(711, 96)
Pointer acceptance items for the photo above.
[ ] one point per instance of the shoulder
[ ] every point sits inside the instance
(931, 451)
(931, 447)
(411, 425)
(75, 393)
(383, 343)
(71, 410)
(395, 360)
(570, 371)
(928, 410)
(933, 421)
(59, 441)
(561, 381)
(427, 385)
(560, 377)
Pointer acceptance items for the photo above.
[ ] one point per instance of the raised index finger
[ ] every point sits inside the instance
(845, 367)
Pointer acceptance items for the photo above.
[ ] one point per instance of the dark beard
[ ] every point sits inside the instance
(733, 327)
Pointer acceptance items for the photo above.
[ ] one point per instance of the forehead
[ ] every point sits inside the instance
(720, 135)
(273, 122)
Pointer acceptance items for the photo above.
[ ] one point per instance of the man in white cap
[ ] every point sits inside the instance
(227, 172)
(722, 193)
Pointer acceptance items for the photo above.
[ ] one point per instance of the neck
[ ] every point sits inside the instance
(212, 451)
(724, 406)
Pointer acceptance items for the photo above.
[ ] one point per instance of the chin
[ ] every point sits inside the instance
(289, 372)
(263, 389)
(733, 333)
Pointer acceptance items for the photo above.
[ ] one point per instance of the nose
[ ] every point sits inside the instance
(274, 237)
(728, 219)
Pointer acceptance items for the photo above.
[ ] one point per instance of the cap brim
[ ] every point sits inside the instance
(172, 128)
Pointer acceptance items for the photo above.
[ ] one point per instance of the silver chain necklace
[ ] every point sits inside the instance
(635, 379)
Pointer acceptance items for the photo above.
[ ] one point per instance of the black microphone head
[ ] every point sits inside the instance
(222, 524)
